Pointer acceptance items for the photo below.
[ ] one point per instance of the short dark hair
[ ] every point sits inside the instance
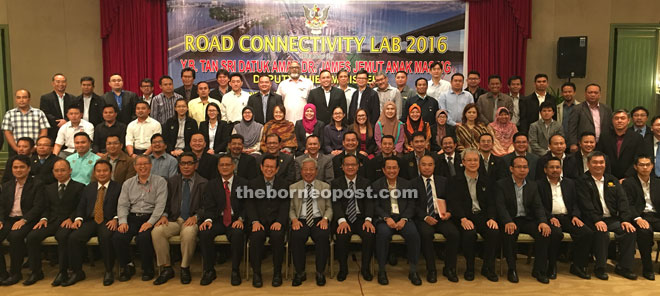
(323, 71)
(111, 106)
(273, 135)
(638, 108)
(87, 78)
(221, 72)
(621, 110)
(418, 134)
(235, 74)
(457, 74)
(237, 136)
(512, 78)
(545, 165)
(179, 100)
(271, 157)
(82, 134)
(421, 78)
(586, 134)
(102, 161)
(29, 140)
(46, 137)
(654, 119)
(22, 158)
(494, 76)
(155, 136)
(147, 80)
(520, 134)
(435, 63)
(540, 75)
(204, 82)
(390, 158)
(445, 137)
(343, 138)
(474, 72)
(547, 104)
(569, 84)
(556, 135)
(638, 157)
(160, 80)
(188, 69)
(513, 160)
(143, 102)
(595, 153)
(311, 137)
(188, 153)
(349, 156)
(57, 74)
(592, 84)
(362, 71)
(77, 107)
(387, 137)
(485, 134)
(402, 72)
(224, 155)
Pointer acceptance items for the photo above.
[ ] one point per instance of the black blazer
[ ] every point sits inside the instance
(127, 110)
(450, 130)
(42, 172)
(635, 194)
(371, 146)
(247, 167)
(254, 101)
(461, 200)
(286, 169)
(532, 160)
(32, 200)
(409, 170)
(384, 206)
(575, 168)
(631, 147)
(85, 208)
(440, 183)
(214, 200)
(51, 107)
(268, 210)
(566, 166)
(222, 134)
(193, 93)
(340, 203)
(338, 160)
(649, 150)
(507, 206)
(95, 108)
(301, 137)
(208, 166)
(174, 196)
(615, 199)
(529, 109)
(171, 132)
(442, 167)
(323, 111)
(496, 167)
(56, 210)
(369, 102)
(375, 167)
(568, 193)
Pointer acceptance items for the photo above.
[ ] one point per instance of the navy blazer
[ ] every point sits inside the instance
(32, 203)
(85, 208)
(127, 111)
(384, 206)
(568, 193)
(214, 200)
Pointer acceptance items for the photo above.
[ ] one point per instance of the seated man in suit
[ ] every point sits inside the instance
(578, 160)
(491, 165)
(183, 208)
(557, 148)
(20, 208)
(96, 215)
(59, 206)
(25, 147)
(42, 161)
(310, 213)
(244, 164)
(520, 210)
(541, 130)
(351, 146)
(621, 145)
(395, 209)
(324, 163)
(474, 208)
(225, 214)
(560, 201)
(141, 203)
(433, 214)
(644, 197)
(520, 147)
(327, 97)
(286, 163)
(375, 165)
(449, 162)
(207, 163)
(411, 159)
(354, 213)
(605, 208)
(269, 217)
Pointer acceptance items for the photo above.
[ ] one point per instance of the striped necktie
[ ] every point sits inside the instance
(309, 207)
(351, 210)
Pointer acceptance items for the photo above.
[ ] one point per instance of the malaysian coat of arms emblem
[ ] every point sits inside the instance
(316, 18)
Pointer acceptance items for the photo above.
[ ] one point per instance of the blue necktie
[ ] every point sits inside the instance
(119, 99)
(185, 201)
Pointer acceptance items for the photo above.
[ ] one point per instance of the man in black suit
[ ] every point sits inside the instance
(326, 97)
(605, 209)
(43, 161)
(109, 126)
(395, 216)
(449, 162)
(89, 102)
(411, 159)
(557, 145)
(375, 165)
(490, 165)
(520, 209)
(644, 198)
(364, 98)
(222, 218)
(560, 201)
(350, 143)
(17, 222)
(286, 164)
(621, 145)
(582, 117)
(222, 78)
(433, 214)
(207, 163)
(268, 216)
(639, 116)
(354, 213)
(245, 164)
(58, 212)
(25, 147)
(122, 100)
(529, 105)
(95, 216)
(475, 212)
(264, 101)
(54, 104)
(189, 89)
(577, 161)
(520, 147)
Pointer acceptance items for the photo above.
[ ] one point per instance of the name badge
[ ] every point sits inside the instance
(395, 209)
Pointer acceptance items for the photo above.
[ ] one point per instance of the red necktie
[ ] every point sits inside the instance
(226, 216)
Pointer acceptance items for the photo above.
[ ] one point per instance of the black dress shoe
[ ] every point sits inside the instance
(298, 278)
(469, 275)
(126, 273)
(185, 275)
(148, 275)
(74, 278)
(382, 278)
(165, 275)
(414, 278)
(207, 277)
(341, 275)
(490, 274)
(579, 272)
(431, 276)
(277, 279)
(235, 277)
(12, 279)
(625, 272)
(552, 272)
(33, 278)
(108, 278)
(366, 274)
(257, 282)
(542, 278)
(601, 274)
(60, 278)
(320, 279)
(512, 276)
(450, 273)
(649, 275)
(3, 276)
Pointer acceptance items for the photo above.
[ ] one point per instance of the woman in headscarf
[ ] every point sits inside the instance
(362, 126)
(503, 130)
(250, 130)
(216, 132)
(333, 133)
(307, 126)
(415, 123)
(470, 128)
(389, 124)
(283, 128)
(441, 129)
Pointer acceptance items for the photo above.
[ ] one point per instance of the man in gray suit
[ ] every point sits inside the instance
(323, 162)
(583, 119)
(541, 130)
(310, 213)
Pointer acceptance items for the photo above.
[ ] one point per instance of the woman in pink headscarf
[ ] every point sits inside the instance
(307, 126)
(503, 130)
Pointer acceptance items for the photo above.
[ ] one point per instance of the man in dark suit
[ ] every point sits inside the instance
(269, 217)
(245, 164)
(529, 105)
(621, 145)
(189, 89)
(16, 223)
(364, 98)
(95, 216)
(449, 162)
(286, 162)
(354, 213)
(264, 101)
(475, 212)
(560, 201)
(605, 208)
(520, 147)
(433, 214)
(557, 145)
(350, 143)
(54, 104)
(490, 165)
(43, 160)
(639, 116)
(324, 163)
(326, 98)
(375, 165)
(582, 119)
(395, 216)
(411, 159)
(58, 212)
(643, 193)
(577, 162)
(25, 147)
(121, 99)
(89, 102)
(221, 217)
(520, 209)
(207, 163)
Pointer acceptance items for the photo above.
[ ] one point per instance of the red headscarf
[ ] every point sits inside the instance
(309, 124)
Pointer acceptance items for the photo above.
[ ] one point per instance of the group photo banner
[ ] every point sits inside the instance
(252, 37)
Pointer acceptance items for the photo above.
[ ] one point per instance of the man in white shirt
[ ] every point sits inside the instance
(386, 93)
(140, 130)
(235, 100)
(146, 90)
(65, 134)
(342, 79)
(294, 92)
(437, 85)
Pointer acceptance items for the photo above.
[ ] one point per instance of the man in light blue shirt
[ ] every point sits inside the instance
(455, 101)
(163, 164)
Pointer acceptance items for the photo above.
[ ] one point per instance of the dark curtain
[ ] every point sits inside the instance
(497, 38)
(134, 34)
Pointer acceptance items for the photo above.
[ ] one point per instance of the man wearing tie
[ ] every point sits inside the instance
(326, 97)
(449, 162)
(264, 101)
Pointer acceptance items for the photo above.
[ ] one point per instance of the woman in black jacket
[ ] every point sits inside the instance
(216, 132)
(308, 126)
(174, 135)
